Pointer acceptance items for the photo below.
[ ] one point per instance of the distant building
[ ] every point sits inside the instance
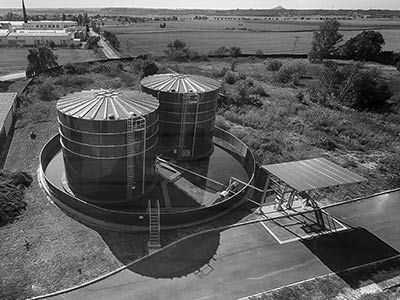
(39, 38)
(49, 25)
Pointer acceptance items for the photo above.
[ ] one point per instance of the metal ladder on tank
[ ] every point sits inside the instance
(134, 125)
(188, 99)
(154, 226)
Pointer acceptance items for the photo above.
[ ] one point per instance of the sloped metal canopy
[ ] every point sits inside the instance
(101, 104)
(312, 174)
(178, 83)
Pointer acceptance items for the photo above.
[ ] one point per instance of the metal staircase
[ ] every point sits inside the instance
(154, 226)
(135, 125)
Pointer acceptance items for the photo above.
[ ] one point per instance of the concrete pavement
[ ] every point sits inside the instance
(249, 260)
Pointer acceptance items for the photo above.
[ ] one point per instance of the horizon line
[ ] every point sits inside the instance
(217, 9)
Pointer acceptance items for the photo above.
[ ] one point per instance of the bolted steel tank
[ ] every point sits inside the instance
(187, 112)
(108, 140)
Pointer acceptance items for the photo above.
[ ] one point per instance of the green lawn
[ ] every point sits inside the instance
(14, 59)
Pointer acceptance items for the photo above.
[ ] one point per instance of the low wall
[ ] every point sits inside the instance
(133, 221)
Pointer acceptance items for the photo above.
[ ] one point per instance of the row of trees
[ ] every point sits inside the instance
(366, 46)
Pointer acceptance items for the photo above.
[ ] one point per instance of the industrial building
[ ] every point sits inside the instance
(38, 38)
(49, 25)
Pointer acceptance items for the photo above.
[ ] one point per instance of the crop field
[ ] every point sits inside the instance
(14, 59)
(249, 41)
(269, 37)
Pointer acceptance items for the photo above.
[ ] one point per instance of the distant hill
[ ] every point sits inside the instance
(279, 7)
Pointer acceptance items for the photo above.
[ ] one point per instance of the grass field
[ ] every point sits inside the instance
(208, 35)
(14, 59)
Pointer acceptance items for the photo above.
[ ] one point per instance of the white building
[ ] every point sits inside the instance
(39, 38)
(49, 25)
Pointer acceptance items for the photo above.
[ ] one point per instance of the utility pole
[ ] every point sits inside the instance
(295, 42)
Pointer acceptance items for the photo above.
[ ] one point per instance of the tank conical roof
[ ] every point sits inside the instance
(178, 83)
(107, 104)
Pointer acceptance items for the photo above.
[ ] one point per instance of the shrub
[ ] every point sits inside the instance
(231, 77)
(273, 65)
(47, 91)
(220, 72)
(290, 72)
(221, 51)
(369, 91)
(12, 204)
(235, 51)
(77, 68)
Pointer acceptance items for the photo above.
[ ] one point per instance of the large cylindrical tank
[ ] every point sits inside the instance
(187, 112)
(109, 142)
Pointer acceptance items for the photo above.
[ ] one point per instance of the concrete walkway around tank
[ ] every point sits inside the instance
(249, 260)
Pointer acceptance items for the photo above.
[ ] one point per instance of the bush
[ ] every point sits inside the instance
(221, 51)
(290, 72)
(235, 51)
(12, 204)
(369, 91)
(76, 68)
(220, 72)
(273, 65)
(231, 77)
(47, 91)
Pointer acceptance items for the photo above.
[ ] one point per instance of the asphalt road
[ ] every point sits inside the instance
(107, 49)
(248, 260)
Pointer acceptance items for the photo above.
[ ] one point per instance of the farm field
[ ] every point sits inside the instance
(14, 59)
(250, 36)
(249, 41)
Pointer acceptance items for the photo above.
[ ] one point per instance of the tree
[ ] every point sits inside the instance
(364, 46)
(64, 18)
(369, 91)
(92, 42)
(352, 86)
(112, 39)
(325, 40)
(235, 51)
(40, 60)
(175, 46)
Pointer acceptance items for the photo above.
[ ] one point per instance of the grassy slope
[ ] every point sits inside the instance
(286, 129)
(62, 252)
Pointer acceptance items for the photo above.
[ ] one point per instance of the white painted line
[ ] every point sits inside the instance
(270, 232)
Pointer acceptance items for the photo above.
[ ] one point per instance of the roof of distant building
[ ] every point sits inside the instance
(39, 33)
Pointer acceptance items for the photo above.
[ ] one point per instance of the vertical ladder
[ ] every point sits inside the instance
(134, 125)
(130, 151)
(188, 99)
(154, 225)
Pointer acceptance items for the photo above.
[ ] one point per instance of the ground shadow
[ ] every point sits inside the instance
(180, 259)
(348, 249)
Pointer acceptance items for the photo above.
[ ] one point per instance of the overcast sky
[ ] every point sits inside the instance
(220, 4)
